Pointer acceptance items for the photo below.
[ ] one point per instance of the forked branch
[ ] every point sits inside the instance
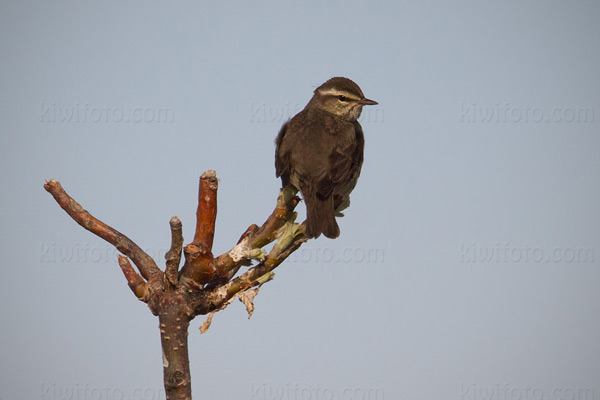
(205, 284)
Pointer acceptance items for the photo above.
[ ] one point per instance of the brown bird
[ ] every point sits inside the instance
(320, 152)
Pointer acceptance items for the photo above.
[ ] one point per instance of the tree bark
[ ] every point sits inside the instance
(174, 323)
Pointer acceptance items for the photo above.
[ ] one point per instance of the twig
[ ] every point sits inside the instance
(136, 283)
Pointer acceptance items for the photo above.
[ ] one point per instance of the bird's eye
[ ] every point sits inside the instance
(342, 98)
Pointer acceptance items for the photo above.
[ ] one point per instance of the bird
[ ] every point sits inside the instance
(319, 152)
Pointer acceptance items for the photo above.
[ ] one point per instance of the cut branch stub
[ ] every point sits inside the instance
(199, 267)
(206, 213)
(173, 256)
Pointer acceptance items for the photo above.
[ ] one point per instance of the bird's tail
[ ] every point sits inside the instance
(320, 216)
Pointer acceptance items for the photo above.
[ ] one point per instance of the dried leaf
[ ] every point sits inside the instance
(247, 297)
(208, 321)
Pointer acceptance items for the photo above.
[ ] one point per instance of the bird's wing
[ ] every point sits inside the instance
(358, 156)
(341, 162)
(282, 157)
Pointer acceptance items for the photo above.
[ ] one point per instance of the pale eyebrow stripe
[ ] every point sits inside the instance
(334, 92)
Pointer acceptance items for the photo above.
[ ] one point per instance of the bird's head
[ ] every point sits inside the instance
(342, 97)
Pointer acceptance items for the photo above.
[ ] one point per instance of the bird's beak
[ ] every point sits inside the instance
(367, 102)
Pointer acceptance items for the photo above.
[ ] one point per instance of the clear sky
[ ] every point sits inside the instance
(468, 264)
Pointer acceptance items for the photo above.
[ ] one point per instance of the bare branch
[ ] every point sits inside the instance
(206, 213)
(291, 237)
(143, 261)
(254, 238)
(173, 256)
(255, 276)
(205, 285)
(136, 283)
(199, 267)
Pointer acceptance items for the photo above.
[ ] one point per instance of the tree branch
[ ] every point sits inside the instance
(290, 240)
(138, 286)
(143, 261)
(173, 256)
(206, 214)
(249, 245)
(278, 254)
(205, 284)
(199, 267)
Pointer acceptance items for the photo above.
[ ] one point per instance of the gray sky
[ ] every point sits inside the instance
(468, 264)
